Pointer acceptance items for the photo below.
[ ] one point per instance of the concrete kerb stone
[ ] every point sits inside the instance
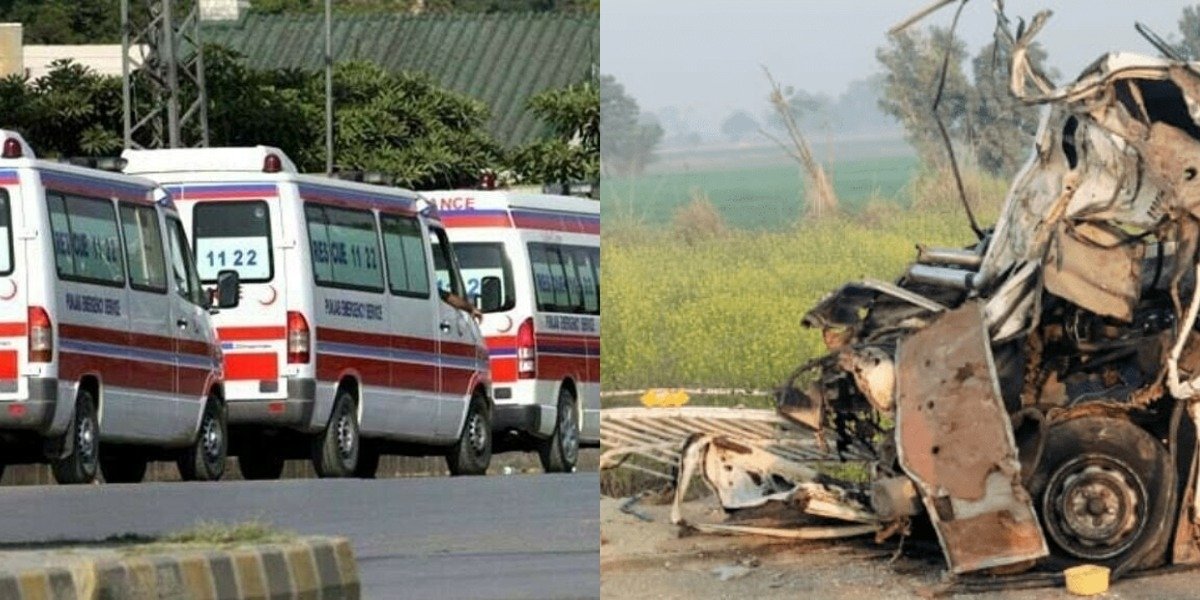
(314, 567)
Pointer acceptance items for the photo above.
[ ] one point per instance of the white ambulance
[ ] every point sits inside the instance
(341, 333)
(107, 357)
(531, 262)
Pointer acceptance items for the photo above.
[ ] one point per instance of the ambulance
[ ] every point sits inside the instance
(342, 349)
(107, 356)
(531, 263)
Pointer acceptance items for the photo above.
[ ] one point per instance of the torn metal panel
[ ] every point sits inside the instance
(649, 439)
(955, 440)
(1096, 267)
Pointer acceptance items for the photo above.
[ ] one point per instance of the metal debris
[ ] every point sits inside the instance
(1034, 395)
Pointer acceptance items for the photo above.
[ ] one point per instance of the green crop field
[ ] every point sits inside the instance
(722, 308)
(753, 196)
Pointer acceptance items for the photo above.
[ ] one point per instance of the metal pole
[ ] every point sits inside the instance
(329, 87)
(168, 49)
(203, 88)
(126, 102)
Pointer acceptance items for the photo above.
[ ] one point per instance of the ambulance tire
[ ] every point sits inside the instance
(560, 451)
(260, 465)
(368, 461)
(472, 453)
(82, 463)
(122, 467)
(205, 459)
(336, 449)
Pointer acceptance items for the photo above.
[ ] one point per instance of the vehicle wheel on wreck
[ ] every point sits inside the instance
(1104, 490)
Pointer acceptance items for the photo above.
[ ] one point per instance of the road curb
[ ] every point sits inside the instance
(316, 567)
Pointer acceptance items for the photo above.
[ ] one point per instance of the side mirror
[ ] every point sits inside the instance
(489, 294)
(229, 289)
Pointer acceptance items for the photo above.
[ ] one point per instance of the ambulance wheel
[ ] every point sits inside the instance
(335, 450)
(260, 465)
(472, 453)
(1103, 486)
(83, 437)
(368, 461)
(205, 459)
(559, 453)
(122, 467)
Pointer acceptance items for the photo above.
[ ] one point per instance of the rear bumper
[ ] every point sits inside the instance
(293, 412)
(525, 418)
(36, 413)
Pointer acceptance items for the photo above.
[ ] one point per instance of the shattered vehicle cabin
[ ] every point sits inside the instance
(1034, 396)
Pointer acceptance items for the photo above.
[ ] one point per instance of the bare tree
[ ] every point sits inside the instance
(821, 200)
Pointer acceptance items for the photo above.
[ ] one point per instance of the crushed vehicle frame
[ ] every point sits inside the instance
(1035, 396)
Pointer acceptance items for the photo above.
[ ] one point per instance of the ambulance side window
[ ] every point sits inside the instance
(345, 248)
(6, 243)
(87, 246)
(143, 248)
(187, 282)
(408, 269)
(587, 280)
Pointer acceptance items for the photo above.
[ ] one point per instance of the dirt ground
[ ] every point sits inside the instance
(650, 560)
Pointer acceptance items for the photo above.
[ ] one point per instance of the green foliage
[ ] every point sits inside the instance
(65, 21)
(739, 126)
(573, 153)
(70, 111)
(1189, 27)
(1000, 127)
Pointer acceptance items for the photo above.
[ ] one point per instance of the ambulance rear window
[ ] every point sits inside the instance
(6, 261)
(233, 236)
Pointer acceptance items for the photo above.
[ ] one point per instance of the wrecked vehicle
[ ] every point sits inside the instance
(1035, 397)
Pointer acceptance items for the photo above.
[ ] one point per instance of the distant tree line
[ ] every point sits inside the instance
(401, 124)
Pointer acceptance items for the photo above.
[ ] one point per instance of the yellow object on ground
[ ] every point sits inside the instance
(1087, 580)
(664, 398)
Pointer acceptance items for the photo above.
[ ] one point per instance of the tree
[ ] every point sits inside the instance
(1189, 26)
(739, 126)
(912, 62)
(630, 138)
(572, 153)
(999, 126)
(65, 21)
(809, 110)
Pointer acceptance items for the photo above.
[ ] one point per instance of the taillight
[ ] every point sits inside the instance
(41, 335)
(526, 352)
(298, 338)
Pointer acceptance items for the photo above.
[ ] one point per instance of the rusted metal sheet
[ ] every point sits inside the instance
(1096, 268)
(955, 440)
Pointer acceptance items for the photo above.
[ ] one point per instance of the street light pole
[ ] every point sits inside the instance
(329, 87)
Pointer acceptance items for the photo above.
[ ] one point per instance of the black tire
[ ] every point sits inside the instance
(122, 466)
(336, 448)
(260, 464)
(368, 461)
(205, 459)
(560, 451)
(82, 463)
(1104, 489)
(472, 453)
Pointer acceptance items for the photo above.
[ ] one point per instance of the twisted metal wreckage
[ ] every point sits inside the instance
(1036, 395)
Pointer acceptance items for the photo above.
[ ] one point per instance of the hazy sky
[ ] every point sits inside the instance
(704, 55)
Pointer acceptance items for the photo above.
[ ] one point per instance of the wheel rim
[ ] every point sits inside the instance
(568, 433)
(1095, 507)
(346, 436)
(477, 434)
(85, 439)
(211, 439)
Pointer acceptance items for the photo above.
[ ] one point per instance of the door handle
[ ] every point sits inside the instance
(445, 326)
(181, 323)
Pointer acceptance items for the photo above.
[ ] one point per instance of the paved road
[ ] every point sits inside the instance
(523, 536)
